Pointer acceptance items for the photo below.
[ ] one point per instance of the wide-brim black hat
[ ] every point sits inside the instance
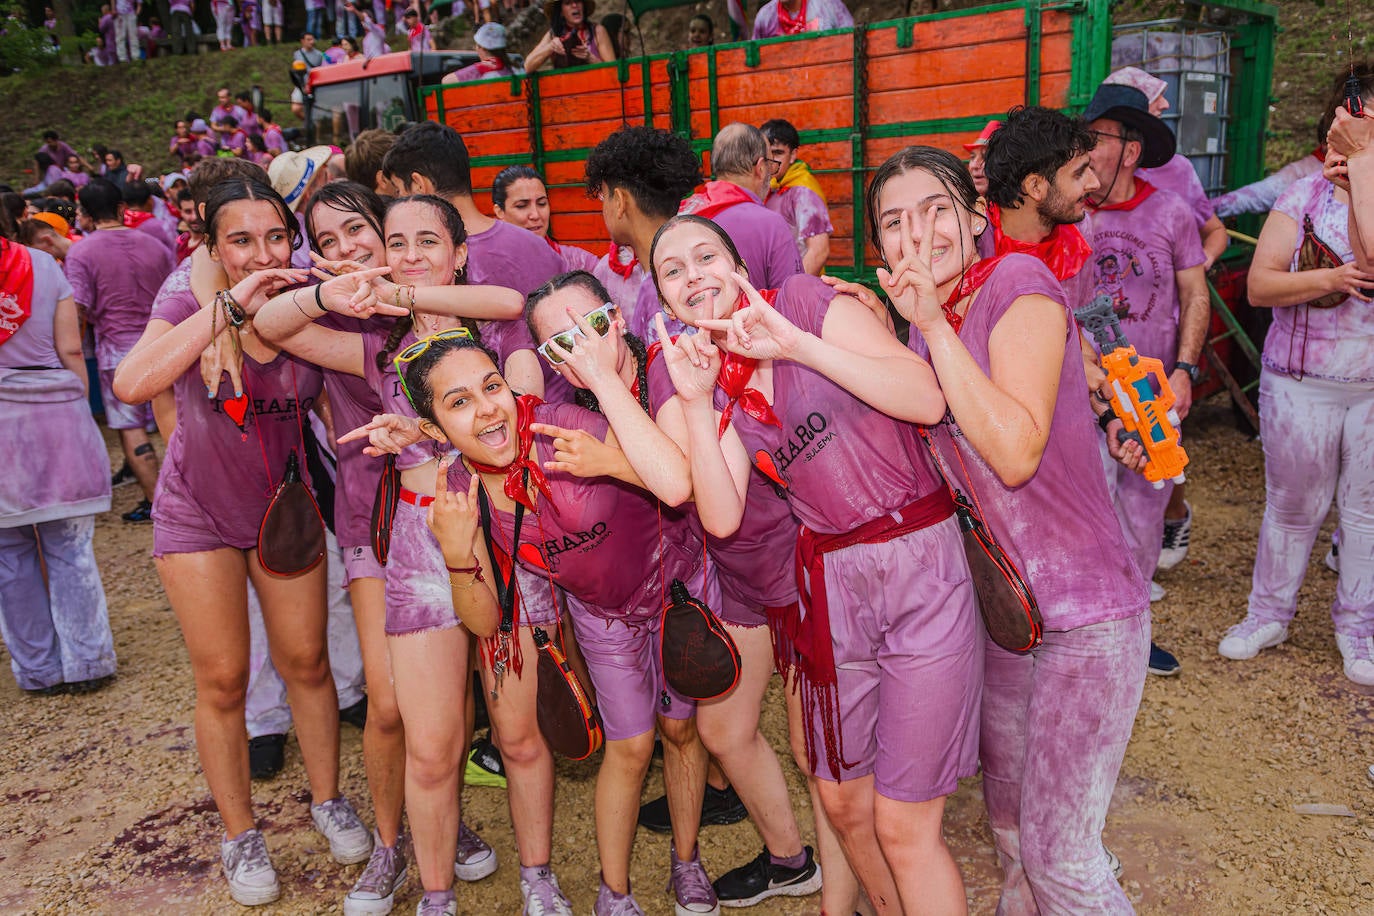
(1129, 106)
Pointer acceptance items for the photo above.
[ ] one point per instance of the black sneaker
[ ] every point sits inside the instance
(143, 512)
(718, 808)
(77, 688)
(761, 879)
(122, 476)
(355, 715)
(1162, 663)
(266, 756)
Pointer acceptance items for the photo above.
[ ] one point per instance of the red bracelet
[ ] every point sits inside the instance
(475, 571)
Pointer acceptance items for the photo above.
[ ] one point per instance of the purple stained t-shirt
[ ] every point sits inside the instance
(804, 211)
(601, 539)
(115, 275)
(1136, 254)
(754, 565)
(1335, 343)
(1179, 176)
(506, 255)
(353, 402)
(820, 16)
(218, 478)
(624, 290)
(1079, 567)
(844, 463)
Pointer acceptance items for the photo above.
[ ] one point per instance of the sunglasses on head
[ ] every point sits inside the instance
(417, 349)
(600, 320)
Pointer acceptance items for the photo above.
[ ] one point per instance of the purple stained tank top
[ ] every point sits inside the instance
(844, 463)
(604, 541)
(387, 385)
(353, 402)
(1058, 527)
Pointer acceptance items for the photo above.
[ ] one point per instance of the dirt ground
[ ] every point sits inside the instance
(105, 811)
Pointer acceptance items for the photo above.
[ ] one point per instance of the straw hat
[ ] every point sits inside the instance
(292, 172)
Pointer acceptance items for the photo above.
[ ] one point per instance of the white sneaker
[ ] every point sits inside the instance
(349, 841)
(1157, 592)
(1358, 653)
(474, 859)
(247, 868)
(1247, 638)
(437, 903)
(1176, 534)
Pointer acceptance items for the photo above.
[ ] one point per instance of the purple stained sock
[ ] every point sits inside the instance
(534, 872)
(792, 862)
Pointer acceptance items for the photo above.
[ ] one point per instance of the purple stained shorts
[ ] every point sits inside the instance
(909, 661)
(624, 662)
(418, 594)
(361, 563)
(180, 525)
(119, 415)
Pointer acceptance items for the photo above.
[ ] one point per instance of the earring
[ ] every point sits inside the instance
(460, 274)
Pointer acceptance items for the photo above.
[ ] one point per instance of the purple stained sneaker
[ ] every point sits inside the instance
(691, 887)
(609, 903)
(375, 892)
(541, 893)
(475, 859)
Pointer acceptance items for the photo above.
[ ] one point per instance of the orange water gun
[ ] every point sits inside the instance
(1148, 415)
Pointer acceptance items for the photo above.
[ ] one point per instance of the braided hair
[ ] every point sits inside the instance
(583, 396)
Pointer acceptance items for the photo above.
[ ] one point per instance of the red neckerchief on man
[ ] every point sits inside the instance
(16, 288)
(975, 276)
(514, 485)
(714, 197)
(1143, 190)
(135, 218)
(613, 261)
(792, 23)
(1064, 251)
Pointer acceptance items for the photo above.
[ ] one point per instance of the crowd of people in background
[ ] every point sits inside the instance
(697, 403)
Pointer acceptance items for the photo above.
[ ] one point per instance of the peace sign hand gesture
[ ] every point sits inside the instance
(910, 283)
(758, 330)
(693, 363)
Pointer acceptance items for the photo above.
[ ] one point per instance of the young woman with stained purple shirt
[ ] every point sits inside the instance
(423, 239)
(223, 463)
(887, 647)
(1317, 407)
(1055, 721)
(609, 544)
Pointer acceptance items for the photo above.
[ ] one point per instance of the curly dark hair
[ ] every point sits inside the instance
(656, 167)
(1032, 141)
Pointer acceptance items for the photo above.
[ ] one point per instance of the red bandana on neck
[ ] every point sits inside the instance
(735, 373)
(558, 249)
(1143, 190)
(792, 23)
(976, 275)
(715, 197)
(613, 262)
(1064, 251)
(514, 486)
(16, 288)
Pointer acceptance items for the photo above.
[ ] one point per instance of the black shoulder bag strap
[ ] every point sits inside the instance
(505, 585)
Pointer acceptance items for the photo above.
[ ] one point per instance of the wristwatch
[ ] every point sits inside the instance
(1194, 373)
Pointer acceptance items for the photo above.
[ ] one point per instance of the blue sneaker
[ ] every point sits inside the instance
(1162, 664)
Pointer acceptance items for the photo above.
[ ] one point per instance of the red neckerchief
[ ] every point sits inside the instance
(1143, 190)
(135, 218)
(976, 275)
(714, 197)
(789, 24)
(735, 373)
(613, 262)
(16, 288)
(514, 486)
(417, 31)
(557, 248)
(1064, 251)
(489, 66)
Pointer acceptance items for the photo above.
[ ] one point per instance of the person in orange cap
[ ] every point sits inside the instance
(978, 151)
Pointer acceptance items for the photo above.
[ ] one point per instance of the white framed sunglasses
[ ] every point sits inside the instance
(601, 320)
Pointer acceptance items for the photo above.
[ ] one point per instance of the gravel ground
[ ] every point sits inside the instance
(105, 810)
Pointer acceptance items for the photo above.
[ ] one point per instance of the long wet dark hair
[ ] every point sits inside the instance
(417, 370)
(458, 234)
(948, 170)
(580, 279)
(235, 189)
(347, 197)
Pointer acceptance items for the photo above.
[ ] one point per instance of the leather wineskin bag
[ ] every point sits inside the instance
(700, 660)
(1009, 611)
(291, 536)
(1314, 254)
(384, 509)
(567, 719)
